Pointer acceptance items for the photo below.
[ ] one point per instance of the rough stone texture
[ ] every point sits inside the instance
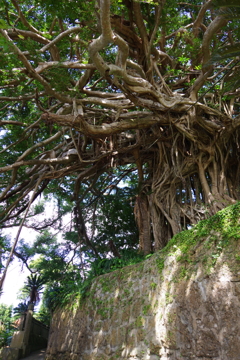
(9, 353)
(183, 312)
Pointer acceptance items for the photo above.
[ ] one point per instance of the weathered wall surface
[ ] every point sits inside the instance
(185, 310)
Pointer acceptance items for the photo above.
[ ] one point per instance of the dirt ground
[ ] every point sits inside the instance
(37, 355)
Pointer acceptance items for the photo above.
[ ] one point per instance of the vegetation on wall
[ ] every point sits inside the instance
(212, 236)
(65, 288)
(6, 326)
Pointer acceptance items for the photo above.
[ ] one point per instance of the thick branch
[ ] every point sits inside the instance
(66, 64)
(218, 23)
(197, 23)
(103, 130)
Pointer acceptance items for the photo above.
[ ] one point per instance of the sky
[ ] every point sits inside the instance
(13, 283)
(16, 274)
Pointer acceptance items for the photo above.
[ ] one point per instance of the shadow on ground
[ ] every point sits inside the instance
(36, 355)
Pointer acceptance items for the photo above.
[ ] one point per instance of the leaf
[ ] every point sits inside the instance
(232, 82)
(228, 3)
(226, 52)
(230, 13)
(3, 24)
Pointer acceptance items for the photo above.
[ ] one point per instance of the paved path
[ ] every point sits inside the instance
(37, 355)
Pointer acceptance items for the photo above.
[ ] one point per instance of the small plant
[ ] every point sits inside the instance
(139, 322)
(160, 264)
(169, 298)
(153, 285)
(183, 272)
(146, 309)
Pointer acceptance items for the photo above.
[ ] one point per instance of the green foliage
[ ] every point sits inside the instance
(3, 24)
(160, 264)
(43, 315)
(67, 10)
(60, 294)
(226, 52)
(216, 232)
(33, 286)
(20, 309)
(4, 248)
(229, 10)
(72, 286)
(6, 327)
(104, 266)
(226, 3)
(115, 220)
(46, 255)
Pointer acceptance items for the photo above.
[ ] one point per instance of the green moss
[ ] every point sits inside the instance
(127, 291)
(183, 272)
(171, 338)
(226, 222)
(153, 285)
(217, 233)
(103, 312)
(171, 318)
(139, 322)
(106, 284)
(160, 263)
(146, 309)
(169, 298)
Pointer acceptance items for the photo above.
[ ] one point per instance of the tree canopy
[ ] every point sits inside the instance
(101, 93)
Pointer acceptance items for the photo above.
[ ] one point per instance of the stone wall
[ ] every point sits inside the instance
(164, 308)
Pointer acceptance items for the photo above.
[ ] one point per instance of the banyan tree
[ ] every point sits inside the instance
(91, 86)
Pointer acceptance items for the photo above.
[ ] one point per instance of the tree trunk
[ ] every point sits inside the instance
(185, 188)
(142, 216)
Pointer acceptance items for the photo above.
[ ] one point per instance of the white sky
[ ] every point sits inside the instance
(13, 282)
(16, 274)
